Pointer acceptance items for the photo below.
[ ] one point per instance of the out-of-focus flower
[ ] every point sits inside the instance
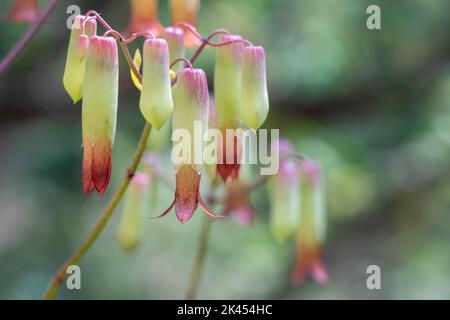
(191, 99)
(135, 211)
(76, 54)
(24, 11)
(284, 194)
(227, 90)
(186, 11)
(156, 96)
(254, 97)
(175, 39)
(144, 17)
(237, 203)
(99, 112)
(312, 224)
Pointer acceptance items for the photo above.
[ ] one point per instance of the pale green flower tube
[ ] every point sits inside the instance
(135, 211)
(156, 97)
(254, 97)
(227, 82)
(75, 65)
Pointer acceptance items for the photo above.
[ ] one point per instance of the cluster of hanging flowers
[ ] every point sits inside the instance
(173, 93)
(91, 75)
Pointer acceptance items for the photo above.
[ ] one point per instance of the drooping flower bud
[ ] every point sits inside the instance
(191, 100)
(186, 11)
(24, 11)
(189, 125)
(156, 97)
(75, 61)
(99, 112)
(144, 17)
(254, 96)
(175, 39)
(284, 194)
(312, 224)
(227, 90)
(135, 211)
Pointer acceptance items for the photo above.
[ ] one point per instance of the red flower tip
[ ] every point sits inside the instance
(309, 261)
(231, 149)
(186, 192)
(226, 171)
(96, 166)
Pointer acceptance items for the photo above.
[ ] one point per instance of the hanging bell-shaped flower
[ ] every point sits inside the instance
(191, 99)
(284, 194)
(75, 62)
(189, 124)
(254, 96)
(175, 39)
(99, 112)
(156, 96)
(312, 224)
(135, 211)
(186, 11)
(144, 17)
(24, 11)
(227, 91)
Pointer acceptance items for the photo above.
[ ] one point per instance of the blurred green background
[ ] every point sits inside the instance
(372, 106)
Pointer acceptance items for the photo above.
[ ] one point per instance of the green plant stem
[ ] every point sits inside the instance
(199, 261)
(58, 278)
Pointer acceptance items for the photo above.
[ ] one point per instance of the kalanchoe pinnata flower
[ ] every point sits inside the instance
(254, 96)
(24, 11)
(191, 100)
(186, 11)
(75, 62)
(99, 112)
(156, 97)
(144, 17)
(311, 232)
(175, 39)
(227, 90)
(135, 211)
(284, 194)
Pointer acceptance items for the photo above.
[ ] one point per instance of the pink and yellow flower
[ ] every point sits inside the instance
(191, 99)
(99, 112)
